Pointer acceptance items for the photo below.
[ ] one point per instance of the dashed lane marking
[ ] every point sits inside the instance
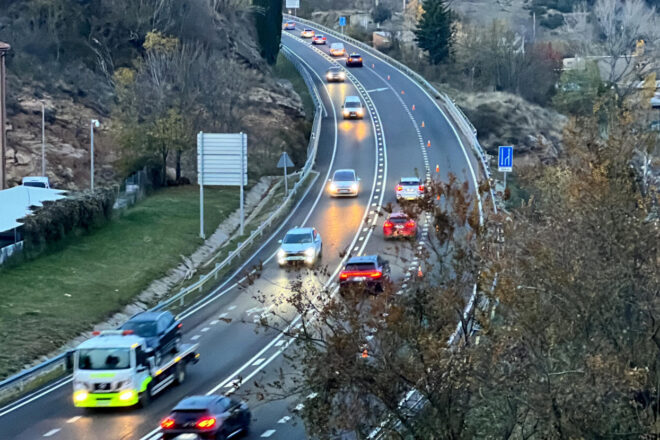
(205, 329)
(196, 337)
(52, 432)
(73, 419)
(258, 362)
(284, 419)
(268, 433)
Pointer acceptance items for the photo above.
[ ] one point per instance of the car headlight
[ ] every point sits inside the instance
(354, 187)
(127, 395)
(80, 396)
(281, 254)
(346, 113)
(333, 187)
(360, 112)
(309, 252)
(342, 75)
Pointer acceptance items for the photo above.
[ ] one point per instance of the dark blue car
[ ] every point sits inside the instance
(161, 330)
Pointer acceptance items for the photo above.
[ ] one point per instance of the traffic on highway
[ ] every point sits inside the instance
(159, 376)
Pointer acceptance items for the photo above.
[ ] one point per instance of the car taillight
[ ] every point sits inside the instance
(167, 423)
(360, 59)
(343, 276)
(399, 188)
(410, 224)
(421, 187)
(179, 325)
(388, 224)
(376, 274)
(207, 422)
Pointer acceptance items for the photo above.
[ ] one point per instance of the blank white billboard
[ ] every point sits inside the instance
(221, 163)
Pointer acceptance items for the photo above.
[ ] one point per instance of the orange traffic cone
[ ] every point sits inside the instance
(419, 272)
(437, 168)
(413, 107)
(437, 197)
(428, 144)
(365, 354)
(388, 77)
(422, 124)
(373, 66)
(402, 92)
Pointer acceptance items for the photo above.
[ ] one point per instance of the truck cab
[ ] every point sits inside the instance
(116, 368)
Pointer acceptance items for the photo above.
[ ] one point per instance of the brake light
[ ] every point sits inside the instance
(410, 224)
(399, 188)
(358, 273)
(376, 274)
(343, 276)
(167, 423)
(96, 333)
(207, 422)
(421, 187)
(127, 332)
(179, 325)
(388, 224)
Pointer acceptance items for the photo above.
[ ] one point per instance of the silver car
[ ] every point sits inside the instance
(409, 188)
(300, 245)
(344, 183)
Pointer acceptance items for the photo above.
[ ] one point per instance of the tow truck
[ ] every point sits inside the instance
(116, 368)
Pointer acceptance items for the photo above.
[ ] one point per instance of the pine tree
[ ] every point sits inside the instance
(269, 27)
(435, 31)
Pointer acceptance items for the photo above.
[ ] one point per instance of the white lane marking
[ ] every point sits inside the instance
(258, 362)
(268, 433)
(31, 398)
(299, 407)
(382, 89)
(279, 343)
(214, 322)
(205, 329)
(194, 338)
(223, 315)
(284, 419)
(52, 432)
(73, 419)
(230, 308)
(312, 395)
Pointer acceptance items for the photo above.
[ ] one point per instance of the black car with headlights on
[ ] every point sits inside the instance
(208, 417)
(161, 330)
(335, 74)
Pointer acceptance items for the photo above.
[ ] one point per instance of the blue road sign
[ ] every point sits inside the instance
(505, 159)
(342, 21)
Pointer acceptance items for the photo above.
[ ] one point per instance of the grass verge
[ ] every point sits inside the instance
(46, 302)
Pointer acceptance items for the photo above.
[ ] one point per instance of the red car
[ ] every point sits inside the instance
(319, 39)
(399, 224)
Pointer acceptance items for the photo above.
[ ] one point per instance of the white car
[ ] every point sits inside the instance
(344, 183)
(36, 181)
(300, 244)
(409, 188)
(337, 49)
(353, 108)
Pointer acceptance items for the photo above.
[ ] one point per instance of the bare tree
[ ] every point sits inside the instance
(622, 24)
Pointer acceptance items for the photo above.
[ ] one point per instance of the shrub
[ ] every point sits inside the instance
(552, 21)
(57, 220)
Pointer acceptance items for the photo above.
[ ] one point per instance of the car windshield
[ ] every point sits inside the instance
(337, 46)
(35, 184)
(145, 329)
(352, 104)
(344, 176)
(398, 219)
(298, 238)
(410, 182)
(104, 359)
(360, 266)
(354, 55)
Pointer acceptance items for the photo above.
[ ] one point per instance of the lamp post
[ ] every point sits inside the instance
(4, 48)
(93, 123)
(43, 139)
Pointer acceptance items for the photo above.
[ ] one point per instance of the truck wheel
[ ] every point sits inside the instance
(180, 374)
(177, 343)
(145, 397)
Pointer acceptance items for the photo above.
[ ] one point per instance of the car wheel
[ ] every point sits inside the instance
(145, 397)
(176, 344)
(180, 374)
(320, 253)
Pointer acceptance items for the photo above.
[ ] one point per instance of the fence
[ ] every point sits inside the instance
(134, 188)
(8, 251)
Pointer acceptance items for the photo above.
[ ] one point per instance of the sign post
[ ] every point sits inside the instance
(284, 162)
(342, 23)
(505, 160)
(293, 4)
(221, 160)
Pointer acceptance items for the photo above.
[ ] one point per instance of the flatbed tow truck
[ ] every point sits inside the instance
(115, 368)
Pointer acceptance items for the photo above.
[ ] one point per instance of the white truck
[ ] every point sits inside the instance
(116, 368)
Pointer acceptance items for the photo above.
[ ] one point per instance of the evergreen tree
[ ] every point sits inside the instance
(435, 31)
(269, 27)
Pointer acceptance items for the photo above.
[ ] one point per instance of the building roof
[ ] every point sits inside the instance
(16, 203)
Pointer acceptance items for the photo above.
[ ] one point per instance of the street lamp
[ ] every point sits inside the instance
(43, 139)
(93, 123)
(4, 48)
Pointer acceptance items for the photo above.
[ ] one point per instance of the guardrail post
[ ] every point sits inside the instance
(215, 274)
(181, 300)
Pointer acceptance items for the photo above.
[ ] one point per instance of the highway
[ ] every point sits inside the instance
(388, 144)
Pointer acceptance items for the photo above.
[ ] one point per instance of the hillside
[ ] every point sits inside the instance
(67, 54)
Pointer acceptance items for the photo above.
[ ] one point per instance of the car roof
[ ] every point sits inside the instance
(300, 231)
(147, 316)
(111, 341)
(352, 98)
(398, 214)
(35, 179)
(195, 402)
(345, 170)
(416, 179)
(363, 259)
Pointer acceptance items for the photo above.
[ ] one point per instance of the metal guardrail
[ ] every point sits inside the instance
(17, 382)
(464, 123)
